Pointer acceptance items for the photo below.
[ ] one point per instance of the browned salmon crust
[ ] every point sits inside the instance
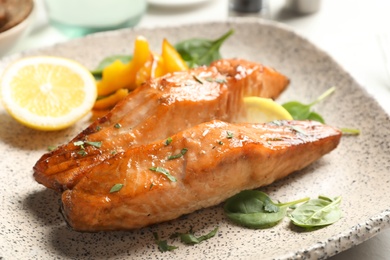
(216, 160)
(160, 108)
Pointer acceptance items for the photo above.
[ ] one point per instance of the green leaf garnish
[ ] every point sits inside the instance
(191, 239)
(182, 152)
(229, 135)
(198, 51)
(254, 209)
(301, 111)
(163, 244)
(164, 172)
(117, 187)
(317, 212)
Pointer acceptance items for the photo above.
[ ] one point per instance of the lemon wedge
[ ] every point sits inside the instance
(262, 110)
(47, 93)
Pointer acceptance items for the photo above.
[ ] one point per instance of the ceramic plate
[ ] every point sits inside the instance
(358, 170)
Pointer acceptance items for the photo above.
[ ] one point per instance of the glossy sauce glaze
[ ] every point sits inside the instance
(219, 160)
(157, 109)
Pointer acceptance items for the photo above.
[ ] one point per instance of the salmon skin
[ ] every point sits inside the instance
(201, 167)
(157, 109)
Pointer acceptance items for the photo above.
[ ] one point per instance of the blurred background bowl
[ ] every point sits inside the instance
(15, 19)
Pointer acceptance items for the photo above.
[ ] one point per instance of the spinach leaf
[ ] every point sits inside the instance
(200, 51)
(163, 244)
(97, 72)
(191, 239)
(317, 212)
(301, 111)
(254, 209)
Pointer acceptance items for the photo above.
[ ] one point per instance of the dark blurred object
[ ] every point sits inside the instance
(256, 8)
(303, 6)
(247, 6)
(12, 12)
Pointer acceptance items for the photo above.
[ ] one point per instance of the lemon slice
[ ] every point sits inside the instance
(262, 110)
(47, 93)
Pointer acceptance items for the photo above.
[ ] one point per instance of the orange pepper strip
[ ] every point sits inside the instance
(118, 75)
(151, 69)
(110, 101)
(172, 59)
(114, 77)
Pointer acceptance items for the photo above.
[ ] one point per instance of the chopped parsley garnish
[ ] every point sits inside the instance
(82, 143)
(117, 125)
(210, 79)
(164, 172)
(51, 148)
(82, 146)
(168, 141)
(163, 244)
(182, 152)
(298, 130)
(191, 239)
(229, 135)
(117, 187)
(198, 79)
(220, 142)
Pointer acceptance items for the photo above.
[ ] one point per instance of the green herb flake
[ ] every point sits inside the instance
(117, 187)
(229, 135)
(117, 125)
(79, 143)
(350, 131)
(182, 152)
(168, 141)
(164, 172)
(220, 142)
(198, 79)
(298, 130)
(220, 81)
(51, 148)
(82, 143)
(191, 239)
(82, 152)
(98, 128)
(163, 244)
(94, 144)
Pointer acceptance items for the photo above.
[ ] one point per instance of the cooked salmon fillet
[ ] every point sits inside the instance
(158, 109)
(202, 166)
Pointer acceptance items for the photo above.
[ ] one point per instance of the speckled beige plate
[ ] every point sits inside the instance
(358, 170)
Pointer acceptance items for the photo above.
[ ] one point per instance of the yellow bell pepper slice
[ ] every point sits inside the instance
(172, 59)
(118, 75)
(110, 101)
(114, 77)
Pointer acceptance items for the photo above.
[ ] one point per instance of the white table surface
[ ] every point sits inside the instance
(349, 30)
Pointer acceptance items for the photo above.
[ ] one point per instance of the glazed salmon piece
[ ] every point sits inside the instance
(157, 109)
(211, 162)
